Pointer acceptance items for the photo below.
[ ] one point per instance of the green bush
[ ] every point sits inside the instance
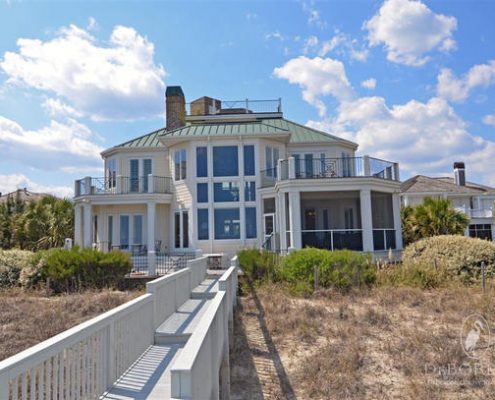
(12, 263)
(449, 257)
(340, 269)
(420, 275)
(82, 268)
(258, 265)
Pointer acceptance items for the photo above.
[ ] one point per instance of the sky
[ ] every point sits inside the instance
(410, 81)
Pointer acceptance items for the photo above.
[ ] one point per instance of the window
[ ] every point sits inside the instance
(225, 191)
(110, 231)
(271, 160)
(124, 231)
(138, 229)
(225, 161)
(269, 205)
(203, 233)
(95, 229)
(349, 218)
(249, 160)
(297, 162)
(308, 165)
(346, 165)
(249, 191)
(250, 222)
(180, 164)
(134, 183)
(147, 170)
(202, 192)
(112, 172)
(181, 229)
(227, 223)
(201, 162)
(481, 231)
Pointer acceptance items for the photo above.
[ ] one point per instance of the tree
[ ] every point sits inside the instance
(432, 218)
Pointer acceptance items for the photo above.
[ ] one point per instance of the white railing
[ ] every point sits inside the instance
(333, 239)
(475, 213)
(195, 373)
(84, 361)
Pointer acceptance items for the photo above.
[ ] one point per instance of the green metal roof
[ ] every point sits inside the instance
(298, 133)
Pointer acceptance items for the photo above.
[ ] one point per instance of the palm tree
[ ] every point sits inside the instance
(432, 218)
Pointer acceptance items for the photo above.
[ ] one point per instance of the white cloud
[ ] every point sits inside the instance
(275, 35)
(317, 77)
(54, 147)
(313, 14)
(10, 183)
(409, 30)
(458, 89)
(309, 44)
(57, 108)
(424, 137)
(92, 24)
(489, 119)
(369, 83)
(344, 46)
(115, 81)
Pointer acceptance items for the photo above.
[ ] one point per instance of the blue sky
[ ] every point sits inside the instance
(410, 81)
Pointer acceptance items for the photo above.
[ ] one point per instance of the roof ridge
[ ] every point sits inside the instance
(320, 132)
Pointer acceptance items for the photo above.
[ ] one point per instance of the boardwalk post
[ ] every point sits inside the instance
(483, 276)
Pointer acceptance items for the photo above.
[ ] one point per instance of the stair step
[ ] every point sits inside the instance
(149, 377)
(180, 325)
(206, 289)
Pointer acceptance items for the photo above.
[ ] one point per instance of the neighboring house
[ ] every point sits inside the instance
(228, 175)
(475, 200)
(22, 195)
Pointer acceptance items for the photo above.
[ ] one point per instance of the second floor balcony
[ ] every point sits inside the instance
(330, 168)
(118, 185)
(476, 213)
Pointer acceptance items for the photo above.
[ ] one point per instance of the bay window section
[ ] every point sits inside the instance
(249, 191)
(180, 167)
(225, 161)
(202, 192)
(248, 160)
(201, 162)
(225, 192)
(271, 160)
(227, 223)
(203, 233)
(250, 222)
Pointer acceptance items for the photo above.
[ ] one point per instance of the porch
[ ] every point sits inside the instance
(359, 220)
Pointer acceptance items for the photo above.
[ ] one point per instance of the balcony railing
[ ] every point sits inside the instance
(476, 213)
(333, 239)
(122, 185)
(329, 168)
(384, 239)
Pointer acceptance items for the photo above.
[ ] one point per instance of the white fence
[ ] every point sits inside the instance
(85, 361)
(195, 373)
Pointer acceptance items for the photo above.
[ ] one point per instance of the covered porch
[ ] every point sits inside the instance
(359, 220)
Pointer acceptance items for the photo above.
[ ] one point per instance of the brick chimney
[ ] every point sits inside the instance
(459, 173)
(175, 105)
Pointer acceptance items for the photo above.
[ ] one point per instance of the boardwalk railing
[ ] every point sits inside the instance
(85, 361)
(195, 373)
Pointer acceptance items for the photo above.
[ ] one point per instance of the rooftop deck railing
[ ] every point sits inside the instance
(329, 168)
(122, 185)
(229, 107)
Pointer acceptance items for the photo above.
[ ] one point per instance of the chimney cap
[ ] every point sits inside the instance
(459, 165)
(174, 91)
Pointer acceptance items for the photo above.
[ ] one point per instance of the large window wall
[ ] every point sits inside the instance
(226, 192)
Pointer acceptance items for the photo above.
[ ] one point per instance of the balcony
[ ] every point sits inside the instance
(330, 168)
(119, 185)
(206, 106)
(476, 213)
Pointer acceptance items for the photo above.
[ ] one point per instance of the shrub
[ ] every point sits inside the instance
(450, 257)
(12, 263)
(82, 268)
(340, 269)
(258, 265)
(415, 274)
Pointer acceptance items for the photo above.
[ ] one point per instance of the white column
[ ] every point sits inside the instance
(88, 226)
(366, 220)
(151, 188)
(78, 225)
(292, 168)
(295, 220)
(281, 217)
(151, 213)
(397, 221)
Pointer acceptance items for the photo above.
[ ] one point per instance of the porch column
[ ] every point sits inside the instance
(281, 217)
(151, 213)
(295, 220)
(78, 225)
(366, 220)
(88, 226)
(397, 221)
